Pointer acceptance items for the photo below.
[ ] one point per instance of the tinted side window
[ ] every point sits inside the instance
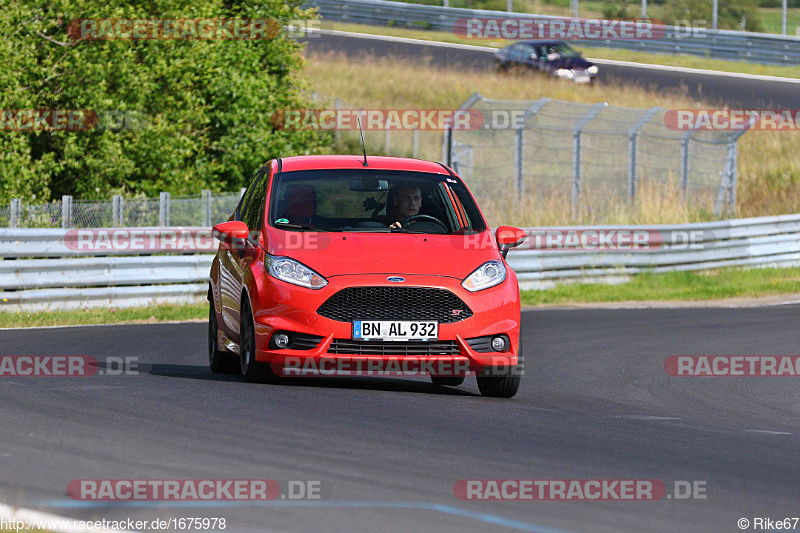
(251, 207)
(242, 208)
(254, 213)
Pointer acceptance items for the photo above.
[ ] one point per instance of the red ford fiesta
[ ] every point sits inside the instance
(342, 267)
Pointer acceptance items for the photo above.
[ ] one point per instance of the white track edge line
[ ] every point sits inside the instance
(22, 514)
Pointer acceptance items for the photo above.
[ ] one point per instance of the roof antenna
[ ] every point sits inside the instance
(363, 146)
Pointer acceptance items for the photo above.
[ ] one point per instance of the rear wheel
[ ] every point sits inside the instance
(449, 381)
(219, 361)
(251, 369)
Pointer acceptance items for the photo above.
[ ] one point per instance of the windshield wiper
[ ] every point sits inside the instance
(299, 226)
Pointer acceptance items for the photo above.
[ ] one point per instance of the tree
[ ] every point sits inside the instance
(174, 115)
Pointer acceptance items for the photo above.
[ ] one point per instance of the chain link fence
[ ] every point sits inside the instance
(205, 209)
(589, 159)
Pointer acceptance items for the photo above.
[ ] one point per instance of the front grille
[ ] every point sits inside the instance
(304, 341)
(481, 344)
(395, 303)
(347, 346)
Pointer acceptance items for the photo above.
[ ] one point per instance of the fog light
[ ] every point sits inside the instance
(281, 340)
(498, 343)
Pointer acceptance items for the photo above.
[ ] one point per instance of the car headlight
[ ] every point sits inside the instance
(592, 70)
(564, 73)
(487, 275)
(295, 272)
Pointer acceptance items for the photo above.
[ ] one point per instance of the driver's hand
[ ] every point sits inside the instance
(396, 225)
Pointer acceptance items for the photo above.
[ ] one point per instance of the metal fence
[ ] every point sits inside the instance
(721, 44)
(205, 209)
(47, 274)
(590, 158)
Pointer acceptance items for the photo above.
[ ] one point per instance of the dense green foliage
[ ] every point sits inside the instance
(205, 104)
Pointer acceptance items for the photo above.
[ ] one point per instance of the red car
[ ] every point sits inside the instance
(342, 264)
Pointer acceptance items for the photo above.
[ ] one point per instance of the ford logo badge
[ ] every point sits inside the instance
(395, 279)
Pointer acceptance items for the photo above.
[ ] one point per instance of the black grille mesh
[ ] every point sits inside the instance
(346, 346)
(395, 303)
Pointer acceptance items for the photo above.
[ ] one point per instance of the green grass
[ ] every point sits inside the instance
(771, 17)
(155, 313)
(675, 60)
(672, 286)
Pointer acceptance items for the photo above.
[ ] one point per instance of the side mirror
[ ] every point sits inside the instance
(508, 237)
(233, 235)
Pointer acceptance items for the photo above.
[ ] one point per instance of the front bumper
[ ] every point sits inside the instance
(279, 306)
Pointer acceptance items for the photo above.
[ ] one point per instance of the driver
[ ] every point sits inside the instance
(406, 202)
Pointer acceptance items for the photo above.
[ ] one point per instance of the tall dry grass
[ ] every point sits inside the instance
(769, 162)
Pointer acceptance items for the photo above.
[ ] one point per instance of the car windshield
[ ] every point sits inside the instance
(372, 201)
(565, 50)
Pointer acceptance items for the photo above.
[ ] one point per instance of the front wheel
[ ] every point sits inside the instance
(252, 370)
(503, 384)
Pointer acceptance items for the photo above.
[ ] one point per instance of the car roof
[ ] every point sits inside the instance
(319, 162)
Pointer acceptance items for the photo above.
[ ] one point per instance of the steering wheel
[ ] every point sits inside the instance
(423, 218)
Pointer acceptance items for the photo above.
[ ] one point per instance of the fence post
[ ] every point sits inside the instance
(519, 148)
(66, 211)
(576, 151)
(447, 146)
(633, 149)
(732, 159)
(116, 210)
(415, 143)
(163, 209)
(13, 215)
(728, 178)
(336, 133)
(206, 196)
(684, 182)
(388, 141)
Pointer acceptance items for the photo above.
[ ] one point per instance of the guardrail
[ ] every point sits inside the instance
(40, 272)
(720, 44)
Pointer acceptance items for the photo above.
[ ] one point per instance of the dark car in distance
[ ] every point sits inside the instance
(555, 58)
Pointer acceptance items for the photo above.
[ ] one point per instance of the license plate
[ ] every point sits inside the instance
(395, 330)
(582, 79)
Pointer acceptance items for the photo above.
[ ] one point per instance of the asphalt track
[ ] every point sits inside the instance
(714, 88)
(596, 404)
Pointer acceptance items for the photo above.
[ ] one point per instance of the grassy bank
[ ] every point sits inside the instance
(156, 313)
(675, 60)
(769, 163)
(674, 286)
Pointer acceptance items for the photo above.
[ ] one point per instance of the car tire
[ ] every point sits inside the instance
(448, 381)
(219, 361)
(504, 385)
(252, 370)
